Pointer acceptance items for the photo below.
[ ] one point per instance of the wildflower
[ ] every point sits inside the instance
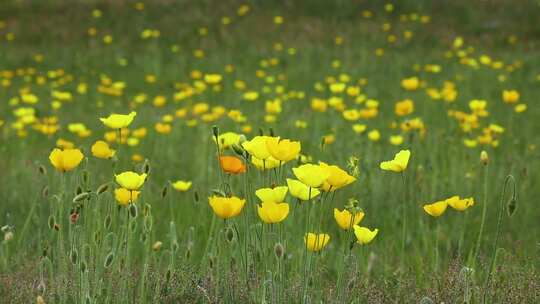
(257, 147)
(436, 209)
(101, 149)
(269, 195)
(374, 135)
(283, 149)
(130, 180)
(65, 160)
(364, 235)
(124, 196)
(337, 177)
(311, 175)
(272, 213)
(510, 96)
(345, 219)
(484, 158)
(316, 242)
(118, 121)
(399, 163)
(301, 191)
(404, 107)
(226, 207)
(181, 185)
(232, 164)
(410, 84)
(269, 163)
(227, 139)
(460, 204)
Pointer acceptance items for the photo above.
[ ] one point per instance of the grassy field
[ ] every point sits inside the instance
(455, 83)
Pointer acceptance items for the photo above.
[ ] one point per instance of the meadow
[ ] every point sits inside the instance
(269, 151)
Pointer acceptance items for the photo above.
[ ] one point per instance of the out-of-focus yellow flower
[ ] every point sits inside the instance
(130, 180)
(460, 204)
(359, 128)
(374, 135)
(118, 121)
(436, 209)
(399, 163)
(300, 190)
(272, 195)
(101, 149)
(283, 149)
(404, 107)
(410, 84)
(257, 147)
(124, 196)
(65, 160)
(510, 96)
(226, 207)
(316, 242)
(212, 78)
(337, 178)
(311, 175)
(346, 220)
(520, 108)
(271, 212)
(181, 185)
(396, 140)
(364, 235)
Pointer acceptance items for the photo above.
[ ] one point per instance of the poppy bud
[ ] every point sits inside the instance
(229, 234)
(109, 260)
(81, 196)
(107, 222)
(133, 210)
(215, 131)
(157, 246)
(164, 191)
(484, 158)
(84, 266)
(45, 191)
(279, 251)
(511, 208)
(196, 196)
(101, 189)
(74, 256)
(42, 170)
(51, 221)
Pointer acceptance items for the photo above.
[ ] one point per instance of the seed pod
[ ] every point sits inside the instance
(164, 191)
(107, 222)
(133, 210)
(42, 170)
(109, 260)
(74, 256)
(279, 251)
(103, 188)
(84, 266)
(215, 131)
(81, 197)
(45, 191)
(511, 207)
(229, 234)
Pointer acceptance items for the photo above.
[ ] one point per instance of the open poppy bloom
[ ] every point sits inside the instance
(399, 163)
(316, 242)
(364, 235)
(118, 121)
(65, 160)
(232, 164)
(226, 207)
(346, 220)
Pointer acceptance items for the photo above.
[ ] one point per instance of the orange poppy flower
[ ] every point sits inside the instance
(231, 164)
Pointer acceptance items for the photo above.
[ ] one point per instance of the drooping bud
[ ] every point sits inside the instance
(279, 251)
(484, 158)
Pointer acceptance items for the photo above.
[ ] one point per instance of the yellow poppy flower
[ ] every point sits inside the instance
(301, 191)
(65, 160)
(436, 209)
(227, 139)
(272, 195)
(181, 185)
(460, 204)
(364, 235)
(272, 213)
(337, 178)
(124, 196)
(257, 147)
(410, 84)
(345, 218)
(283, 149)
(101, 149)
(404, 107)
(118, 121)
(399, 163)
(226, 207)
(510, 96)
(316, 242)
(311, 175)
(130, 180)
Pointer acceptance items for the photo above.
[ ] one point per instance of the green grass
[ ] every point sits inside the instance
(183, 270)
